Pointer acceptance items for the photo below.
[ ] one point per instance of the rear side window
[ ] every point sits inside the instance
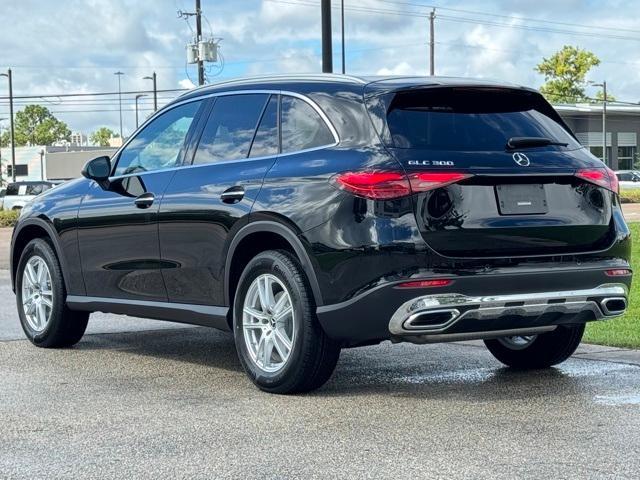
(12, 189)
(465, 119)
(36, 189)
(230, 128)
(302, 126)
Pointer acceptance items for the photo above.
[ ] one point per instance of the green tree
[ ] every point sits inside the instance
(565, 73)
(600, 96)
(36, 125)
(101, 136)
(4, 138)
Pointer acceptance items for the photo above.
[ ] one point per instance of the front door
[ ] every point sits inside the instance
(118, 225)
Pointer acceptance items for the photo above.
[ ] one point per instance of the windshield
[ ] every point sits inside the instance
(465, 119)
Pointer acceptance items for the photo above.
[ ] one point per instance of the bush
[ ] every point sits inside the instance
(8, 218)
(630, 196)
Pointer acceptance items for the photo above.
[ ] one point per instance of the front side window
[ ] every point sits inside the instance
(230, 128)
(302, 126)
(159, 144)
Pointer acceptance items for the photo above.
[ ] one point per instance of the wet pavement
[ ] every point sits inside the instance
(175, 403)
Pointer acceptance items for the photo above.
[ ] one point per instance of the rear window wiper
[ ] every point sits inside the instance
(532, 142)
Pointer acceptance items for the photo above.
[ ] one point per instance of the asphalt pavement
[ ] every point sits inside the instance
(143, 399)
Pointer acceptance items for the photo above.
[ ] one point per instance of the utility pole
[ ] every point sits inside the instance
(119, 74)
(432, 43)
(155, 90)
(198, 39)
(42, 164)
(1, 120)
(140, 95)
(342, 21)
(13, 133)
(327, 48)
(604, 118)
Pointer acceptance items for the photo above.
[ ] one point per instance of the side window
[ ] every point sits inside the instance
(265, 142)
(36, 189)
(158, 145)
(302, 127)
(230, 128)
(12, 189)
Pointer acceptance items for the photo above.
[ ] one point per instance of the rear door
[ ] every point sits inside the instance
(212, 197)
(479, 196)
(118, 225)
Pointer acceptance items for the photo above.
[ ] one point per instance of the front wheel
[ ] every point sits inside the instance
(537, 351)
(279, 341)
(40, 294)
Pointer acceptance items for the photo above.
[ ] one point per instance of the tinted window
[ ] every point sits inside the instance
(230, 128)
(158, 145)
(21, 170)
(467, 119)
(265, 142)
(302, 127)
(12, 189)
(625, 177)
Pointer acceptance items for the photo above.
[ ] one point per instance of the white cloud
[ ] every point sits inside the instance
(402, 68)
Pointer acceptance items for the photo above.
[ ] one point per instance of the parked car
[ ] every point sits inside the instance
(628, 178)
(18, 194)
(307, 214)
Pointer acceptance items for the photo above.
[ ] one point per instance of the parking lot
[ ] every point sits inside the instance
(144, 399)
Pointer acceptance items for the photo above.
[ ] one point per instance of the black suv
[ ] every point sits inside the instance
(312, 213)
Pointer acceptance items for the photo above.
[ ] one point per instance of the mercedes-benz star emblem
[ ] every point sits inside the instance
(521, 159)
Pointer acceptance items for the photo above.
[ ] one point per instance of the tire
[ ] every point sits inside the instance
(63, 327)
(543, 351)
(312, 357)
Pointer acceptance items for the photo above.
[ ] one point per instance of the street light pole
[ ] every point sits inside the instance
(1, 120)
(140, 95)
(155, 90)
(119, 74)
(42, 164)
(13, 139)
(327, 48)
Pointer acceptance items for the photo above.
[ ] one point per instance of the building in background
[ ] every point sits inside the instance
(78, 139)
(623, 130)
(58, 162)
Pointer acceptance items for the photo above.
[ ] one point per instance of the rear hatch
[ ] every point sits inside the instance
(495, 172)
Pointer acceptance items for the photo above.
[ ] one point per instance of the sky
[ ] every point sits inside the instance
(74, 46)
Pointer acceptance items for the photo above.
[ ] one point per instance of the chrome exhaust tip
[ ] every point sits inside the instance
(429, 320)
(614, 305)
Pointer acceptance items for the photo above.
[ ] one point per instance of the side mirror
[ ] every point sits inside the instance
(98, 170)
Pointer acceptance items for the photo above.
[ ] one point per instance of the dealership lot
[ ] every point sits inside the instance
(174, 402)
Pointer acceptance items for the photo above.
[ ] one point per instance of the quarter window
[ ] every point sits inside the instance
(302, 126)
(230, 128)
(158, 145)
(265, 142)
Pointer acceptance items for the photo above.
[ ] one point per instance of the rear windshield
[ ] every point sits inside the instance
(465, 119)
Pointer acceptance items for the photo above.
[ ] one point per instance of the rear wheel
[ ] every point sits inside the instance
(537, 351)
(279, 341)
(40, 294)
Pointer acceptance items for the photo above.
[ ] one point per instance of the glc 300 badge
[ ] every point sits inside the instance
(426, 163)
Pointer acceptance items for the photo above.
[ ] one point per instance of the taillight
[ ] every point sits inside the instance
(617, 272)
(603, 177)
(388, 185)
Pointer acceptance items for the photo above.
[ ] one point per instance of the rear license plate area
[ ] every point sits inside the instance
(521, 199)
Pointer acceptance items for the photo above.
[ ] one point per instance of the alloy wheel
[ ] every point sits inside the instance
(37, 296)
(517, 342)
(268, 323)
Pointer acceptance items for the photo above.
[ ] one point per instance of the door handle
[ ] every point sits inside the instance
(233, 194)
(145, 200)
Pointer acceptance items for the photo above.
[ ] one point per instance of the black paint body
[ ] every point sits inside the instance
(181, 250)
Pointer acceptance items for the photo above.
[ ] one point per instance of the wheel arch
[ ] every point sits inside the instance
(272, 235)
(26, 231)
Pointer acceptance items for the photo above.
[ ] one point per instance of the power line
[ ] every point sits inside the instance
(95, 94)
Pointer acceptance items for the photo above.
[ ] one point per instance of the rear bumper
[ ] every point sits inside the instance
(480, 306)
